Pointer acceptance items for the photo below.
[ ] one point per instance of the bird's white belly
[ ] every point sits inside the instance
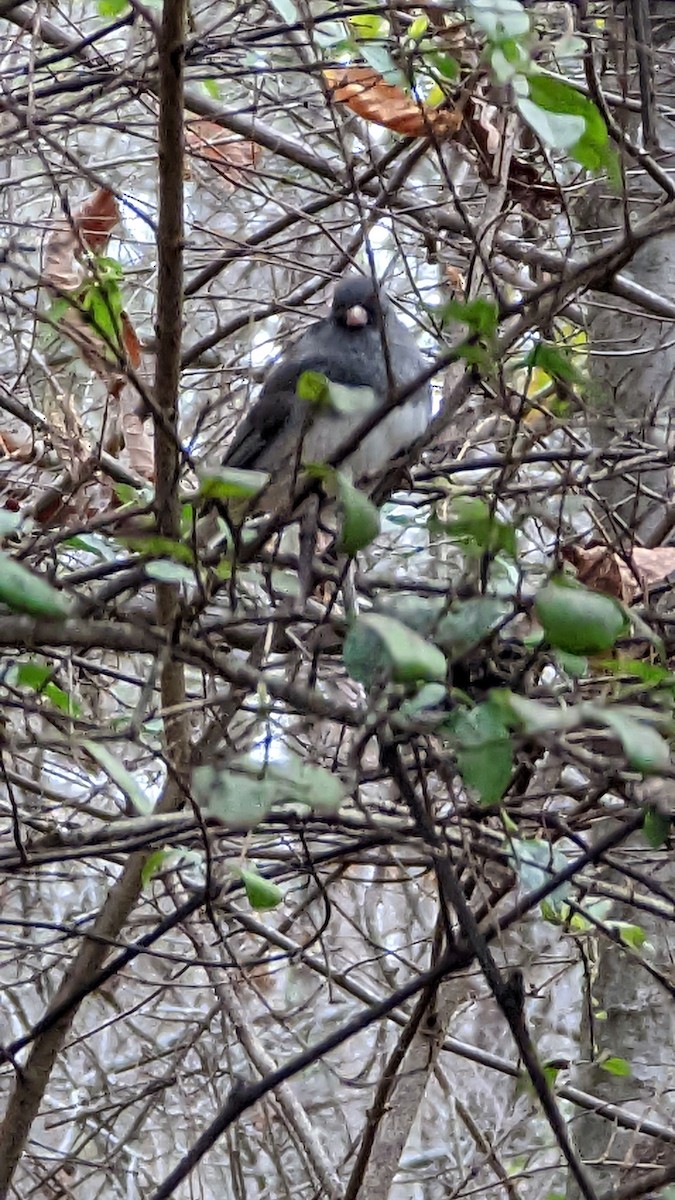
(390, 436)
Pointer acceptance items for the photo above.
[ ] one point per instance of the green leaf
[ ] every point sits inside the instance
(557, 111)
(503, 70)
(468, 623)
(555, 915)
(481, 316)
(33, 675)
(360, 522)
(111, 8)
(128, 495)
(192, 863)
(578, 924)
(430, 699)
(500, 18)
(238, 797)
(211, 88)
(561, 130)
(616, 1066)
(93, 543)
(103, 305)
(378, 647)
(417, 30)
(483, 749)
(644, 747)
(507, 58)
(112, 765)
(572, 664)
(578, 620)
(368, 25)
(446, 66)
(555, 361)
(421, 613)
(109, 273)
(656, 827)
(646, 672)
(531, 715)
(261, 893)
(164, 571)
(153, 865)
(156, 546)
(632, 935)
(379, 58)
(551, 1071)
(314, 388)
(351, 401)
(38, 677)
(244, 792)
(22, 591)
(536, 862)
(476, 527)
(232, 483)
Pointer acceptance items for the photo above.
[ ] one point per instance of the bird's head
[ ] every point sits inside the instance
(357, 304)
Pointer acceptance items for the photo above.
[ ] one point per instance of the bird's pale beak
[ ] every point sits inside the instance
(356, 317)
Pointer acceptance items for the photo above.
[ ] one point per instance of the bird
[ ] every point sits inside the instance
(360, 344)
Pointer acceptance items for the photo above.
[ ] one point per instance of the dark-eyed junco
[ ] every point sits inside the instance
(360, 344)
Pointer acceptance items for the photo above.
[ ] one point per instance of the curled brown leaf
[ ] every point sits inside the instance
(369, 95)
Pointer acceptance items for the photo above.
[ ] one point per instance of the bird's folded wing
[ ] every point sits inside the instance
(265, 424)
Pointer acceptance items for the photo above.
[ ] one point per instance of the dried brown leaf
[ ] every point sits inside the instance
(455, 280)
(486, 116)
(66, 268)
(96, 218)
(231, 157)
(369, 96)
(18, 441)
(138, 443)
(68, 437)
(131, 342)
(89, 228)
(653, 566)
(603, 570)
(482, 135)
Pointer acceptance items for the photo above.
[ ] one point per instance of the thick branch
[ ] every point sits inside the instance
(30, 1085)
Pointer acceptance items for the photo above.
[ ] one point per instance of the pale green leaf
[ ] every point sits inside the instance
(113, 766)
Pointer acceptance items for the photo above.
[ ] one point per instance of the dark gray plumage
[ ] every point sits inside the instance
(348, 347)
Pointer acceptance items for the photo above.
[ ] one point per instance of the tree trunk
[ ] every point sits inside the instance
(632, 354)
(628, 1014)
